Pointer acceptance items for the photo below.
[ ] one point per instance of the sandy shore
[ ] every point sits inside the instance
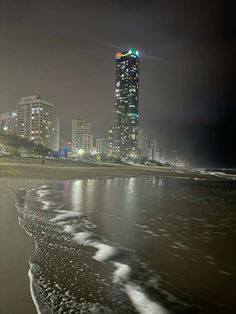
(68, 170)
(16, 247)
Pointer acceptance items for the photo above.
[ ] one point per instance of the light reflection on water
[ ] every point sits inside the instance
(192, 224)
(184, 230)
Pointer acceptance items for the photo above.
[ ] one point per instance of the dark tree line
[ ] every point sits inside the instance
(18, 146)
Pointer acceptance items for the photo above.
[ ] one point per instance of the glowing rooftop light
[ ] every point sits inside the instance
(132, 51)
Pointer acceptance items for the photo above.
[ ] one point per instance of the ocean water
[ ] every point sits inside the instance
(132, 245)
(224, 173)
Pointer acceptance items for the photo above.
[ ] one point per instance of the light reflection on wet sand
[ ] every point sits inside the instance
(184, 230)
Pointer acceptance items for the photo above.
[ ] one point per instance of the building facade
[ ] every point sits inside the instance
(82, 139)
(109, 141)
(126, 113)
(36, 122)
(154, 152)
(55, 134)
(102, 146)
(143, 143)
(8, 121)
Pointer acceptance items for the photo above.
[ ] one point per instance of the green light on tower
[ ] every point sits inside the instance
(134, 51)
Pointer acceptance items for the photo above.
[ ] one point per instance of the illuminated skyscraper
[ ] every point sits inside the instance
(125, 115)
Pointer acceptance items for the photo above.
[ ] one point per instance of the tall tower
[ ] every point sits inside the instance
(125, 115)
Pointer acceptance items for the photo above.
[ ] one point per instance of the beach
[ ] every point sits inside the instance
(134, 229)
(70, 170)
(16, 246)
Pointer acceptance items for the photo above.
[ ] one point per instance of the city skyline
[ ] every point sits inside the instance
(117, 162)
(187, 80)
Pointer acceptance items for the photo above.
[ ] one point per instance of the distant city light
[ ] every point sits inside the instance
(80, 152)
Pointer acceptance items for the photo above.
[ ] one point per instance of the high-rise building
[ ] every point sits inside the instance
(55, 134)
(109, 141)
(143, 143)
(81, 136)
(126, 114)
(102, 146)
(8, 122)
(36, 121)
(154, 152)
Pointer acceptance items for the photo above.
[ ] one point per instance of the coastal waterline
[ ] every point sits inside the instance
(103, 244)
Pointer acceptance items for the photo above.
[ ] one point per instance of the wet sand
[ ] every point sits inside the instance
(16, 247)
(184, 230)
(69, 170)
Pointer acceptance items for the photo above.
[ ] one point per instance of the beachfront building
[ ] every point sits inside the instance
(102, 146)
(82, 140)
(8, 122)
(125, 113)
(36, 122)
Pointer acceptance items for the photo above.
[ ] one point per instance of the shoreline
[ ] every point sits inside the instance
(72, 170)
(17, 250)
(166, 251)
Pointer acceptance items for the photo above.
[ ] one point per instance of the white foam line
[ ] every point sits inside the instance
(122, 273)
(105, 251)
(140, 301)
(82, 237)
(31, 277)
(41, 193)
(220, 174)
(68, 228)
(63, 216)
(46, 204)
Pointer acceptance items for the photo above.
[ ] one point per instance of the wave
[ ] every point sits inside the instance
(69, 250)
(220, 173)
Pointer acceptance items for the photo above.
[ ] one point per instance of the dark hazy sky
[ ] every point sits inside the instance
(63, 50)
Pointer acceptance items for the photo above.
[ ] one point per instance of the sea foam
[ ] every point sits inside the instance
(70, 222)
(141, 302)
(66, 216)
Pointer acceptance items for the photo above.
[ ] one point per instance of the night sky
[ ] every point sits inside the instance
(63, 50)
